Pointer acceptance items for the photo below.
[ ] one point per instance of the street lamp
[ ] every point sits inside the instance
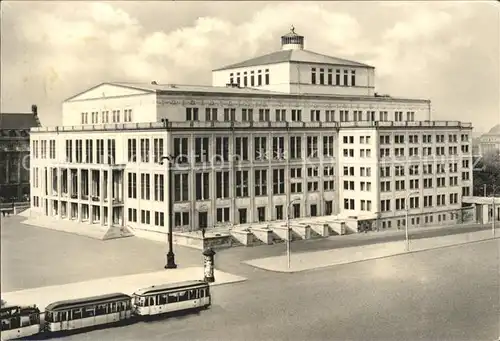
(288, 232)
(407, 204)
(170, 255)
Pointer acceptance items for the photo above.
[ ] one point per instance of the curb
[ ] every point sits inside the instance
(374, 258)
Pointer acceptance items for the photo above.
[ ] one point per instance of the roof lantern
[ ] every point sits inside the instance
(292, 41)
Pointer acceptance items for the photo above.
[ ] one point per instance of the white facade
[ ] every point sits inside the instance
(332, 151)
(297, 71)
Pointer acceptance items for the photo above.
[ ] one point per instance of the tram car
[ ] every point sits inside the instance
(19, 321)
(87, 312)
(173, 297)
(109, 309)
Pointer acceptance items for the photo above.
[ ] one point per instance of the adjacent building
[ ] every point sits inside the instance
(292, 133)
(15, 154)
(490, 142)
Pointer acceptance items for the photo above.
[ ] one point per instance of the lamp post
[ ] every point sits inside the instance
(407, 220)
(170, 200)
(495, 188)
(288, 251)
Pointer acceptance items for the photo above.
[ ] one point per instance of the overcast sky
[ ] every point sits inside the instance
(446, 51)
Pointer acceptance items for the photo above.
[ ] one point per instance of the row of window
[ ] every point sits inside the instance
(400, 170)
(320, 76)
(263, 149)
(414, 151)
(264, 213)
(41, 146)
(399, 185)
(294, 115)
(104, 117)
(426, 138)
(250, 78)
(262, 182)
(156, 193)
(400, 204)
(428, 219)
(145, 218)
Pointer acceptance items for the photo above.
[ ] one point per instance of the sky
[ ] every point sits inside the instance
(445, 51)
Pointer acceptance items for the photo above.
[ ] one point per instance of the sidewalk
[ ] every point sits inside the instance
(319, 259)
(126, 284)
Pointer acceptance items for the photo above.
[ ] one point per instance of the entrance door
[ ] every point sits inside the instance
(242, 212)
(203, 219)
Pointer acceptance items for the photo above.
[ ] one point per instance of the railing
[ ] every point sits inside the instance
(258, 124)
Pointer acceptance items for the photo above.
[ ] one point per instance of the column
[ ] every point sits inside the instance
(8, 161)
(79, 193)
(102, 185)
(109, 185)
(19, 165)
(69, 182)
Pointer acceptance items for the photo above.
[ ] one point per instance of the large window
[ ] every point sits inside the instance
(181, 187)
(222, 184)
(278, 181)
(260, 182)
(202, 186)
(241, 183)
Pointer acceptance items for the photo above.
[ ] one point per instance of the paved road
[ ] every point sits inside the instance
(444, 294)
(34, 257)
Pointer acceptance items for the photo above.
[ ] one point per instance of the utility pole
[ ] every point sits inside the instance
(288, 234)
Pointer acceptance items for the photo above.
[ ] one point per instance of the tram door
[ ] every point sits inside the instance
(63, 318)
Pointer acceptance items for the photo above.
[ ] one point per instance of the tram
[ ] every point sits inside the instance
(87, 312)
(69, 315)
(19, 321)
(168, 298)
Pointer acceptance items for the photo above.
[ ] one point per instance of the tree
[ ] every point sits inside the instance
(487, 172)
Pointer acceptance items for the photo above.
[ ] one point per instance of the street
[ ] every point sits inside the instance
(35, 257)
(444, 294)
(450, 293)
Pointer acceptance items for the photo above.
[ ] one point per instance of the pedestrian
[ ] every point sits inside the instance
(203, 232)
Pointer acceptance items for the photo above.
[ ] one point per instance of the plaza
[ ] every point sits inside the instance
(336, 306)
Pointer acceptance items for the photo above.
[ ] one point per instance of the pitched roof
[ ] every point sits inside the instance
(18, 121)
(297, 56)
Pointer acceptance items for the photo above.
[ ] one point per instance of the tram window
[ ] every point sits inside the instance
(172, 297)
(163, 299)
(25, 321)
(63, 316)
(123, 306)
(112, 307)
(193, 294)
(202, 293)
(89, 312)
(183, 296)
(101, 309)
(77, 314)
(34, 319)
(127, 305)
(15, 322)
(151, 300)
(140, 301)
(5, 324)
